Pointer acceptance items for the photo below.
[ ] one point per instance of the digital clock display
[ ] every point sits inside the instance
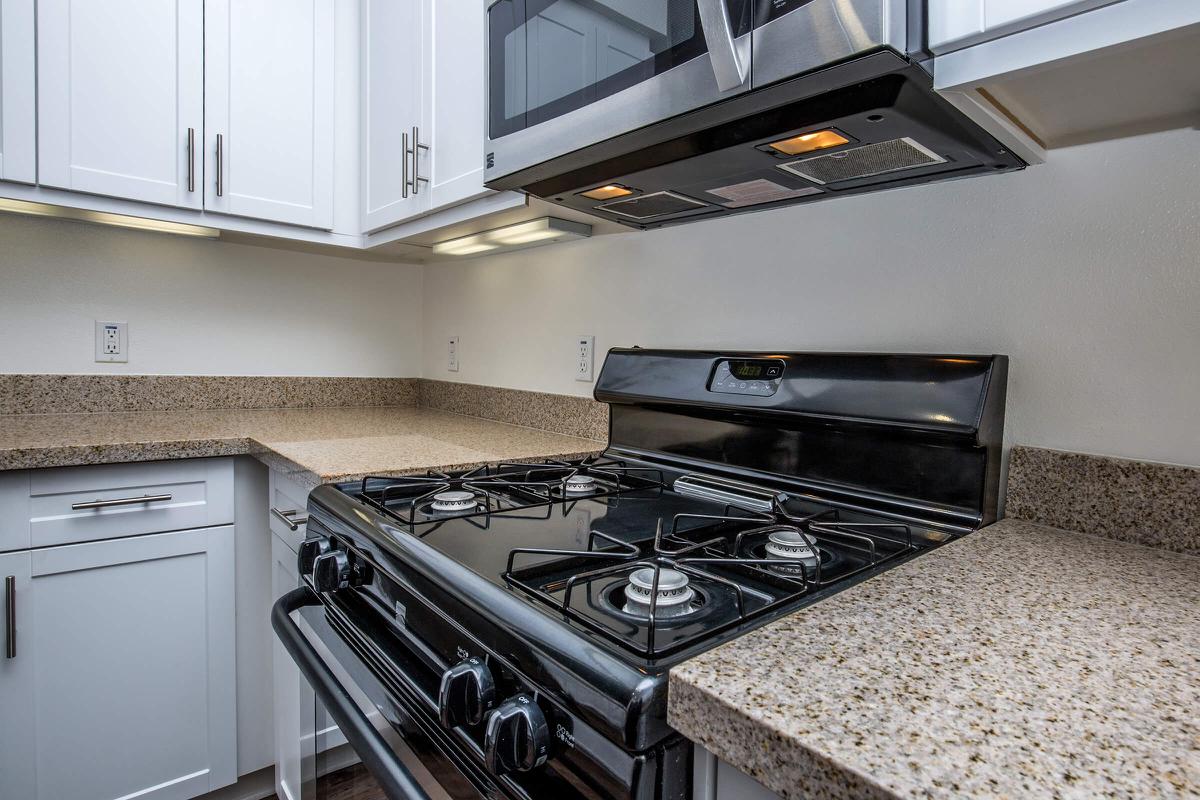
(747, 370)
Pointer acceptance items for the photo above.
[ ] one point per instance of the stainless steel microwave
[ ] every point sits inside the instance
(611, 106)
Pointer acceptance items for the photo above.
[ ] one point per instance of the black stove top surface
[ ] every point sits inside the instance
(623, 557)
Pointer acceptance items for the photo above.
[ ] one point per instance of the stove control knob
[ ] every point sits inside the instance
(310, 551)
(331, 571)
(468, 691)
(517, 738)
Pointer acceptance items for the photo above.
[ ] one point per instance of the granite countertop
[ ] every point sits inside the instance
(313, 445)
(1018, 661)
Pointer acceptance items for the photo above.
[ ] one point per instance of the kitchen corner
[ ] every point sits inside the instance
(311, 429)
(1024, 660)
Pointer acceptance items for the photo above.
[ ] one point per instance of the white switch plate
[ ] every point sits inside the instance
(583, 366)
(112, 342)
(452, 362)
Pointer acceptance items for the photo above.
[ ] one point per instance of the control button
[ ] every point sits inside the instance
(742, 385)
(468, 691)
(773, 371)
(517, 738)
(310, 551)
(331, 571)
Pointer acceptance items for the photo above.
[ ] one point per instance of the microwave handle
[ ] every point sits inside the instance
(379, 758)
(728, 66)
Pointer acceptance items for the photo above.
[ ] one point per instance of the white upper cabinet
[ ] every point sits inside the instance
(459, 102)
(269, 110)
(958, 23)
(394, 75)
(423, 107)
(18, 115)
(120, 98)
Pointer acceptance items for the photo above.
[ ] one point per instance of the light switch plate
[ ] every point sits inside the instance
(112, 342)
(583, 365)
(452, 361)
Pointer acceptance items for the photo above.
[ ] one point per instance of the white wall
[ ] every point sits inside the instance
(1085, 271)
(197, 306)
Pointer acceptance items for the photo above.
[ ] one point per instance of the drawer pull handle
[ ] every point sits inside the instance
(10, 616)
(121, 501)
(289, 518)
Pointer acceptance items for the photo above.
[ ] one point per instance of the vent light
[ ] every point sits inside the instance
(807, 142)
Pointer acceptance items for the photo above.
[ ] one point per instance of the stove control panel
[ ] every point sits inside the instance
(753, 376)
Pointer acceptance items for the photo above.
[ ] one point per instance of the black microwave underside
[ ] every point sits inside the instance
(716, 161)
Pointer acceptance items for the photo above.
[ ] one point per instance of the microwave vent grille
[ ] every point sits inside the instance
(864, 162)
(657, 204)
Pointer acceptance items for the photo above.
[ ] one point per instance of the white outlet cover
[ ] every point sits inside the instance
(112, 342)
(452, 353)
(585, 347)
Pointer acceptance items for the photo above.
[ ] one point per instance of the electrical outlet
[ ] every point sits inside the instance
(583, 367)
(452, 362)
(112, 342)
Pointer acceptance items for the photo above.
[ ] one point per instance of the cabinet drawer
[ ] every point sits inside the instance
(288, 501)
(81, 504)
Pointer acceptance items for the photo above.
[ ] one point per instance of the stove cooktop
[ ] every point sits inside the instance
(608, 547)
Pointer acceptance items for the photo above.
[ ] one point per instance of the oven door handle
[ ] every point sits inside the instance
(378, 757)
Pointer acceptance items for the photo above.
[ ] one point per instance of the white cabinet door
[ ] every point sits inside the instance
(959, 23)
(120, 97)
(123, 680)
(395, 75)
(459, 102)
(18, 81)
(269, 104)
(18, 765)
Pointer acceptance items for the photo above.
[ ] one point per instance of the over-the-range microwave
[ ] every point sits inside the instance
(654, 112)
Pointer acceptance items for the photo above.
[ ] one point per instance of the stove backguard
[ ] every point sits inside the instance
(913, 435)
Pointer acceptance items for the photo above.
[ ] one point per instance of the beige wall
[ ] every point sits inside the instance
(196, 306)
(1086, 271)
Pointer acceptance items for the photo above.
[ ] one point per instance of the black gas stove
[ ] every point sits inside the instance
(520, 619)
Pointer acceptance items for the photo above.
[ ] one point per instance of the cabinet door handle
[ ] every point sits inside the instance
(404, 166)
(220, 165)
(191, 157)
(10, 616)
(416, 167)
(289, 518)
(121, 501)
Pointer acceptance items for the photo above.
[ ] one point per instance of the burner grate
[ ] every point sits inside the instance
(724, 563)
(508, 487)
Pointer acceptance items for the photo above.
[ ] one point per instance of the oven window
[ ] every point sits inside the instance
(550, 57)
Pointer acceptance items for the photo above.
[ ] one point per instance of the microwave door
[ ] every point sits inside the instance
(567, 74)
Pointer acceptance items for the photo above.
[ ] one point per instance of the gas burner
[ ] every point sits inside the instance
(790, 543)
(454, 502)
(579, 484)
(674, 595)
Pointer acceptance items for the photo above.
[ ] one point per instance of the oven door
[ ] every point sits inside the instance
(564, 74)
(358, 739)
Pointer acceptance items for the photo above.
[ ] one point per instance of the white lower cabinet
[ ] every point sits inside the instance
(292, 695)
(121, 676)
(713, 779)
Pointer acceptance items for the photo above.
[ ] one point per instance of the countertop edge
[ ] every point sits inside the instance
(836, 779)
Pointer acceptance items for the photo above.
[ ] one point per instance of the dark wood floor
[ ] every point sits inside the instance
(351, 783)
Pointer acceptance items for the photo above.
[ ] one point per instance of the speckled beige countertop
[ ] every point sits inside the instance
(314, 445)
(1019, 662)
